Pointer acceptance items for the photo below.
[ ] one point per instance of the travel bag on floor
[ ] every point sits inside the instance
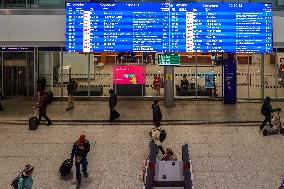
(66, 167)
(33, 122)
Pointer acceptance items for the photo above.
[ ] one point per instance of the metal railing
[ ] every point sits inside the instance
(60, 4)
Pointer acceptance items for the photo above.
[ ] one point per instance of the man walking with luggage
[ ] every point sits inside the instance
(71, 88)
(157, 114)
(266, 110)
(112, 103)
(42, 108)
(80, 151)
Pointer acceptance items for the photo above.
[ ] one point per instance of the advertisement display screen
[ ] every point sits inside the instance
(169, 27)
(129, 75)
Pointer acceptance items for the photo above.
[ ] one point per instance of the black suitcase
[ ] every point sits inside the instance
(66, 167)
(33, 122)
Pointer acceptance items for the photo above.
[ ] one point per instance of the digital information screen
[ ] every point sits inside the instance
(129, 75)
(169, 59)
(169, 27)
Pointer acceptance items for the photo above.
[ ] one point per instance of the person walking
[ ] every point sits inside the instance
(156, 136)
(266, 111)
(157, 114)
(80, 151)
(26, 180)
(71, 88)
(42, 108)
(112, 103)
(41, 85)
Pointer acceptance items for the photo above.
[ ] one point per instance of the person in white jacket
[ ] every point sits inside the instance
(155, 134)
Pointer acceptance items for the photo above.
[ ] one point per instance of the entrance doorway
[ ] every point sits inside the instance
(17, 74)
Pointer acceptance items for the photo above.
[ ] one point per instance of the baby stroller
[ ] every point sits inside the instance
(277, 126)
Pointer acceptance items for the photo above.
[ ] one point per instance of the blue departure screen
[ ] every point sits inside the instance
(168, 27)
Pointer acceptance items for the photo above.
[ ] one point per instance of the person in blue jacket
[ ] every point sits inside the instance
(26, 181)
(80, 151)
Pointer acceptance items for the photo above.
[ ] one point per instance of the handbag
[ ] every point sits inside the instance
(78, 159)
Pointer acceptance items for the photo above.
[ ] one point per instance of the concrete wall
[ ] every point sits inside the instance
(79, 64)
(52, 28)
(32, 28)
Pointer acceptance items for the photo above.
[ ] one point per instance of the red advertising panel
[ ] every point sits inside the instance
(129, 75)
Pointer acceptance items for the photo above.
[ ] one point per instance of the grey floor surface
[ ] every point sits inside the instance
(223, 157)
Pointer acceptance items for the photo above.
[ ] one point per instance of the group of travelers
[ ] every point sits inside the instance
(71, 89)
(81, 147)
(79, 154)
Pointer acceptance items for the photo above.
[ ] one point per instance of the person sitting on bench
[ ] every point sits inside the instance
(184, 83)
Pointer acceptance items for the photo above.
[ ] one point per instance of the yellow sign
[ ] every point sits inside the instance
(169, 77)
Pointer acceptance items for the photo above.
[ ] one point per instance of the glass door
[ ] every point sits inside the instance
(18, 76)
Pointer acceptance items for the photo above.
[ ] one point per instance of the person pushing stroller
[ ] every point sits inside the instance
(266, 111)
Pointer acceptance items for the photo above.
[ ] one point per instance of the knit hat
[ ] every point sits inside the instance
(82, 139)
(28, 168)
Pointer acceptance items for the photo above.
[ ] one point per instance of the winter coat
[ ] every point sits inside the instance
(72, 87)
(25, 182)
(184, 84)
(112, 100)
(156, 136)
(157, 114)
(77, 152)
(41, 84)
(268, 109)
(42, 105)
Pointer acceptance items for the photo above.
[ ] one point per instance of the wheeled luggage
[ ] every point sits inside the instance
(33, 122)
(276, 129)
(66, 167)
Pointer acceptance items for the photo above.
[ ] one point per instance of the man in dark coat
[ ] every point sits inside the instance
(80, 151)
(112, 103)
(157, 114)
(267, 111)
(42, 108)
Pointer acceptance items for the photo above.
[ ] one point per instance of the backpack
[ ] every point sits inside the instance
(163, 135)
(263, 109)
(16, 180)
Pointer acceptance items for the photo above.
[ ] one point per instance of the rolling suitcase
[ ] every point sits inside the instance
(65, 167)
(33, 122)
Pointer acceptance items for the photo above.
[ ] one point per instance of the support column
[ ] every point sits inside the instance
(169, 86)
(230, 79)
(89, 67)
(35, 71)
(262, 75)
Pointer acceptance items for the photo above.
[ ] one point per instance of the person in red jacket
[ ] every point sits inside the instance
(157, 84)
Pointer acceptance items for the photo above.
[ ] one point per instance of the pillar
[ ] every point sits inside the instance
(169, 86)
(230, 79)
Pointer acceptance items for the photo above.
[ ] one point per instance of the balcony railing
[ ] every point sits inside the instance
(60, 4)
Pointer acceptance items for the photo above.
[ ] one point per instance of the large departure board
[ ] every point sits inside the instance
(169, 27)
